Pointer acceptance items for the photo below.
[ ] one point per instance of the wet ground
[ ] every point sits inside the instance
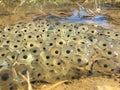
(108, 18)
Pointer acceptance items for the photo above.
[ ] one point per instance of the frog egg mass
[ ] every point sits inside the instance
(52, 51)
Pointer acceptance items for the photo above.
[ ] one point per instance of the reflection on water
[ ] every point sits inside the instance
(78, 17)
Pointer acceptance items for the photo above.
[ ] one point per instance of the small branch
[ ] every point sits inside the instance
(27, 79)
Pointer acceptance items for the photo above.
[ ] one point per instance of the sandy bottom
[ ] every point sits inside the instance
(89, 83)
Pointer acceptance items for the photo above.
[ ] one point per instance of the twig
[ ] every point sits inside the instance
(27, 79)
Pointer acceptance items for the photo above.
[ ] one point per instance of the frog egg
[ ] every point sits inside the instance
(55, 51)
(8, 29)
(25, 30)
(84, 42)
(19, 25)
(83, 28)
(72, 43)
(60, 42)
(37, 62)
(108, 33)
(46, 56)
(25, 57)
(70, 30)
(104, 66)
(4, 63)
(31, 44)
(59, 31)
(29, 37)
(30, 25)
(15, 46)
(6, 42)
(92, 31)
(19, 35)
(12, 56)
(5, 35)
(49, 35)
(103, 44)
(67, 36)
(74, 38)
(116, 35)
(3, 52)
(13, 85)
(50, 44)
(93, 40)
(77, 32)
(37, 74)
(79, 60)
(38, 36)
(67, 51)
(73, 73)
(61, 66)
(109, 52)
(35, 51)
(22, 68)
(6, 77)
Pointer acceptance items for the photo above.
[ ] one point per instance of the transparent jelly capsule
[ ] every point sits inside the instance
(3, 52)
(31, 44)
(92, 31)
(25, 30)
(103, 43)
(19, 35)
(67, 36)
(35, 51)
(30, 25)
(116, 35)
(38, 36)
(19, 25)
(84, 42)
(25, 58)
(22, 68)
(59, 31)
(109, 52)
(79, 60)
(68, 51)
(7, 42)
(4, 63)
(70, 30)
(46, 56)
(75, 38)
(55, 51)
(37, 74)
(6, 77)
(61, 66)
(37, 62)
(104, 66)
(15, 46)
(10, 86)
(108, 33)
(83, 28)
(72, 43)
(93, 40)
(50, 44)
(73, 73)
(29, 37)
(8, 29)
(12, 56)
(60, 42)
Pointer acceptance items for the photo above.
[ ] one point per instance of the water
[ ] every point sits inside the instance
(98, 20)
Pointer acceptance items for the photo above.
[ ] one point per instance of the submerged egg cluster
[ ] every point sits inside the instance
(52, 51)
